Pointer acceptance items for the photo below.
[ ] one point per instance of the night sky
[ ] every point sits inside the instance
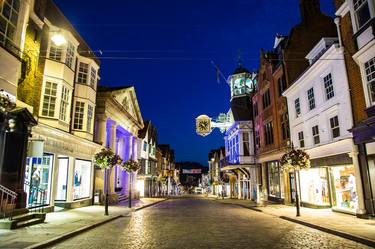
(164, 49)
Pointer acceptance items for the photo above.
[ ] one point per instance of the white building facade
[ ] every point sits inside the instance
(320, 116)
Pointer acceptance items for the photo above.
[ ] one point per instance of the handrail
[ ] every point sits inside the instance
(7, 202)
(40, 198)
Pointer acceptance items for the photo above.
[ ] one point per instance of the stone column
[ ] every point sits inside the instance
(264, 180)
(101, 130)
(358, 181)
(113, 147)
(239, 185)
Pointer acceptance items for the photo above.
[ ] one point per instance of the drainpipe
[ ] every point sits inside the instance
(337, 22)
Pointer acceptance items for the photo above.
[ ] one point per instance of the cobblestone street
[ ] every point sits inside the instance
(203, 223)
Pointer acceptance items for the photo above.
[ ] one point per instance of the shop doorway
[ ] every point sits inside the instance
(62, 179)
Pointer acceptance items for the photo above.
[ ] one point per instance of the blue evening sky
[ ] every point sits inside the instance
(164, 49)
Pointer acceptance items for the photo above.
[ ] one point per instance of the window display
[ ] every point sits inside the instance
(62, 179)
(314, 186)
(345, 188)
(38, 176)
(275, 181)
(82, 179)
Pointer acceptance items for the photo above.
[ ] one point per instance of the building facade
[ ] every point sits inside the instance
(320, 119)
(118, 122)
(148, 174)
(356, 24)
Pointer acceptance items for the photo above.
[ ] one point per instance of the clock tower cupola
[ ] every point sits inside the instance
(242, 82)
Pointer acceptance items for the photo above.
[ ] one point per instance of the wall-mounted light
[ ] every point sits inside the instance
(58, 39)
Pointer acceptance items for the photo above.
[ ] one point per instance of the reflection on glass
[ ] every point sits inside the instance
(345, 188)
(82, 179)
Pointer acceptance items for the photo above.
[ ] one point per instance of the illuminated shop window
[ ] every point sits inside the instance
(314, 186)
(82, 179)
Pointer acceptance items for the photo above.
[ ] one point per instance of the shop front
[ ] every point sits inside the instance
(64, 176)
(314, 187)
(275, 181)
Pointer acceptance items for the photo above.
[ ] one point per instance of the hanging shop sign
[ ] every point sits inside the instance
(203, 125)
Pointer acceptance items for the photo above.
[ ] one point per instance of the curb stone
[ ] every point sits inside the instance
(73, 233)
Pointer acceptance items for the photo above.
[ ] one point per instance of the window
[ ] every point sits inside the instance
(297, 107)
(70, 55)
(82, 73)
(311, 98)
(335, 128)
(282, 85)
(82, 179)
(315, 133)
(93, 77)
(65, 94)
(8, 19)
(361, 12)
(328, 85)
(246, 144)
(285, 126)
(266, 99)
(370, 76)
(268, 133)
(49, 99)
(90, 114)
(301, 139)
(144, 146)
(78, 115)
(255, 109)
(55, 53)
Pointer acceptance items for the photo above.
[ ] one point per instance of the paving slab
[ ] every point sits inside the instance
(59, 225)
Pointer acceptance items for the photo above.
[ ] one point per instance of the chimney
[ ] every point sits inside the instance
(309, 9)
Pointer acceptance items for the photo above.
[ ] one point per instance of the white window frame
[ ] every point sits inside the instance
(64, 103)
(315, 134)
(369, 77)
(297, 110)
(90, 116)
(311, 99)
(335, 127)
(329, 89)
(11, 22)
(355, 11)
(70, 55)
(55, 53)
(301, 138)
(52, 99)
(83, 73)
(93, 77)
(79, 115)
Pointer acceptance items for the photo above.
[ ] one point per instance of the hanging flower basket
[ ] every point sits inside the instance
(295, 160)
(106, 159)
(130, 166)
(6, 104)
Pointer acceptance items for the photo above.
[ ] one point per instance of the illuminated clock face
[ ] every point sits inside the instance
(203, 126)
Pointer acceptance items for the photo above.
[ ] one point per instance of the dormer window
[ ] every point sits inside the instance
(361, 12)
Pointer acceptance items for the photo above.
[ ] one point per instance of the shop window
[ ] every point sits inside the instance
(38, 175)
(266, 99)
(345, 188)
(69, 59)
(297, 107)
(83, 72)
(311, 98)
(301, 139)
(49, 99)
(8, 20)
(78, 115)
(65, 96)
(62, 179)
(335, 128)
(328, 86)
(370, 77)
(268, 133)
(82, 179)
(314, 186)
(275, 181)
(361, 12)
(315, 133)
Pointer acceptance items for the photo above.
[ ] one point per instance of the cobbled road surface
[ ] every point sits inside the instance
(203, 223)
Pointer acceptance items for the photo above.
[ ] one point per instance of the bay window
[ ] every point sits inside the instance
(69, 59)
(78, 115)
(93, 78)
(55, 53)
(64, 103)
(9, 11)
(90, 114)
(83, 72)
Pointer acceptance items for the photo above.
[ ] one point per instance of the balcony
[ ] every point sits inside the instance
(239, 160)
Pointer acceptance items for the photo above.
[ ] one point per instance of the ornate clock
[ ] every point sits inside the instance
(203, 125)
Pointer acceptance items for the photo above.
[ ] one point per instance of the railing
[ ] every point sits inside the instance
(7, 202)
(37, 198)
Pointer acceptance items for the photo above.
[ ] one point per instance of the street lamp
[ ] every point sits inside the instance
(58, 39)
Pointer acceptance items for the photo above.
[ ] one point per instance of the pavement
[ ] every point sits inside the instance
(340, 224)
(67, 223)
(197, 222)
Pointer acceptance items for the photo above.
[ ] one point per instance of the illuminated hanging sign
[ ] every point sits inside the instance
(192, 171)
(203, 125)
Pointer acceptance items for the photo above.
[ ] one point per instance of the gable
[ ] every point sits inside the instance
(128, 100)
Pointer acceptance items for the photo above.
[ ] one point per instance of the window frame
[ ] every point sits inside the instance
(268, 133)
(301, 139)
(297, 108)
(52, 99)
(90, 117)
(10, 23)
(79, 114)
(334, 124)
(329, 89)
(266, 99)
(356, 10)
(369, 75)
(311, 98)
(64, 103)
(83, 73)
(315, 134)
